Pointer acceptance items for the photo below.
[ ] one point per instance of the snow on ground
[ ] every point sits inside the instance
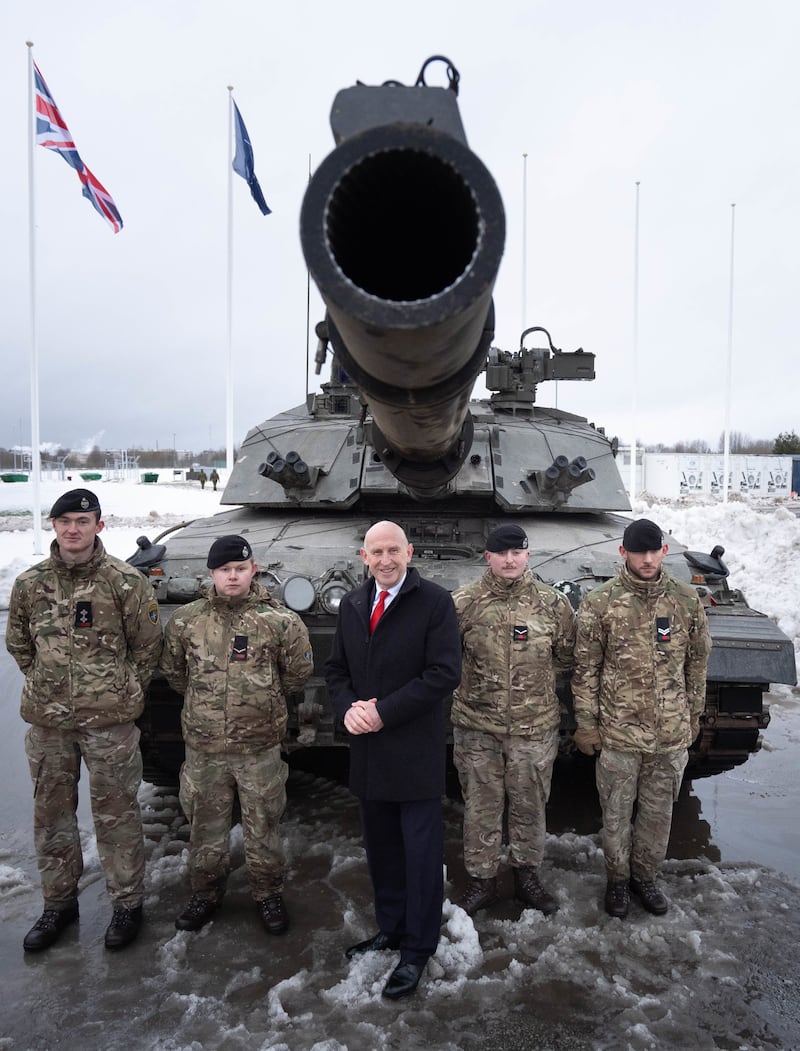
(718, 971)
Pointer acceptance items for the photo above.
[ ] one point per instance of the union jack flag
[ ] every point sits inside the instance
(52, 133)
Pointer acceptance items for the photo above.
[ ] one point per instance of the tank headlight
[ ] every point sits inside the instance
(331, 597)
(298, 594)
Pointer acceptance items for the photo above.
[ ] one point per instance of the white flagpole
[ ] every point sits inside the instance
(229, 401)
(635, 368)
(308, 306)
(36, 466)
(524, 319)
(726, 458)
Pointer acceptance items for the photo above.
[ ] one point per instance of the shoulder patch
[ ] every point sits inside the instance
(152, 612)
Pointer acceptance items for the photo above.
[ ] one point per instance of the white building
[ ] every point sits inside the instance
(673, 475)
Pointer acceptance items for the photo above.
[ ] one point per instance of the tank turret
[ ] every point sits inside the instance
(403, 227)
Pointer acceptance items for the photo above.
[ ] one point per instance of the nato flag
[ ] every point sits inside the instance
(243, 163)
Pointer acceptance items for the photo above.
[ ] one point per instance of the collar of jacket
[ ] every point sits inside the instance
(257, 593)
(508, 588)
(644, 588)
(78, 569)
(412, 581)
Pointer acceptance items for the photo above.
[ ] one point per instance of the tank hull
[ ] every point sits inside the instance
(579, 551)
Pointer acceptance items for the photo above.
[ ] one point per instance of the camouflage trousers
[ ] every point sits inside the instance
(208, 783)
(651, 782)
(491, 769)
(114, 763)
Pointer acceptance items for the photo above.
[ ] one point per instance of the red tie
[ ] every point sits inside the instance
(377, 613)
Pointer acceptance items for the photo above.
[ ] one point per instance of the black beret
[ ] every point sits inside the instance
(642, 535)
(76, 500)
(506, 537)
(228, 549)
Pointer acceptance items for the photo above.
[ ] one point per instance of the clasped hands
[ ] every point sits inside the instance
(362, 717)
(587, 740)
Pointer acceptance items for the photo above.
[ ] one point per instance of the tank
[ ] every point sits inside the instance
(403, 228)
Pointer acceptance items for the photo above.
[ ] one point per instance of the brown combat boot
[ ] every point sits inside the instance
(197, 913)
(273, 914)
(650, 896)
(47, 929)
(479, 894)
(530, 892)
(618, 898)
(124, 926)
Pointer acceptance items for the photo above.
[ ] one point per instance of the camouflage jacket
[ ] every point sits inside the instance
(234, 660)
(640, 662)
(87, 637)
(515, 635)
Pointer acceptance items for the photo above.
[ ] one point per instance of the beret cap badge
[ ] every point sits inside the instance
(231, 548)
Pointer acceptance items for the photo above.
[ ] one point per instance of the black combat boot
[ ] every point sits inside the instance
(650, 896)
(273, 914)
(124, 926)
(618, 898)
(197, 913)
(530, 892)
(47, 929)
(479, 894)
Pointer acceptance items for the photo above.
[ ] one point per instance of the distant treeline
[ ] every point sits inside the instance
(99, 458)
(786, 443)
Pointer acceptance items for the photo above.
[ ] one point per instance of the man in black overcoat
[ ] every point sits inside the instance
(395, 659)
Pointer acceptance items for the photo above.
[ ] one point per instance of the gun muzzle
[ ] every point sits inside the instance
(402, 228)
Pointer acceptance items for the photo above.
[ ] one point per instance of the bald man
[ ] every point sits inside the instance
(395, 660)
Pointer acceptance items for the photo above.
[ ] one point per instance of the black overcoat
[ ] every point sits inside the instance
(412, 664)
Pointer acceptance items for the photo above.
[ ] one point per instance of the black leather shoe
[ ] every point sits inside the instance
(618, 898)
(273, 914)
(124, 926)
(47, 929)
(197, 913)
(376, 943)
(478, 894)
(650, 896)
(403, 980)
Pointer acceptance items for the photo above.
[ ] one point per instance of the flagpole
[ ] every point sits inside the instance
(229, 401)
(726, 456)
(308, 307)
(36, 467)
(524, 318)
(635, 368)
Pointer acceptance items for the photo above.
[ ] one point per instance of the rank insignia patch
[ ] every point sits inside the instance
(239, 651)
(520, 633)
(662, 629)
(83, 614)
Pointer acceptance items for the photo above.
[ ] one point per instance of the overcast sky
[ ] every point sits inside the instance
(697, 101)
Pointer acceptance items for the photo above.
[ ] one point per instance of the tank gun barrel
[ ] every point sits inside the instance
(402, 228)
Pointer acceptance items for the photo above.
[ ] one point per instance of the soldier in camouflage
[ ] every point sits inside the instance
(639, 689)
(84, 629)
(235, 654)
(516, 632)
